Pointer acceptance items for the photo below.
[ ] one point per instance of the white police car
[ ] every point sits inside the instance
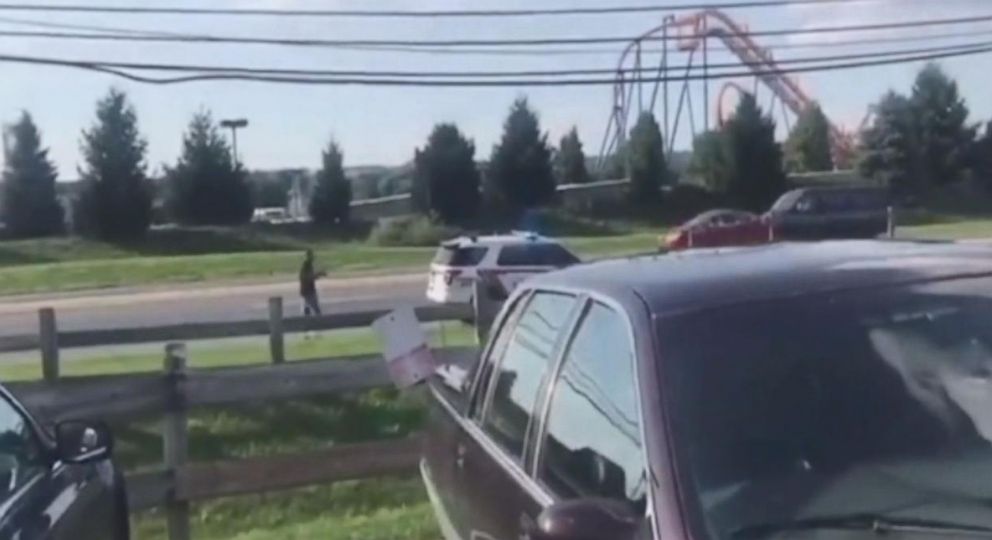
(508, 259)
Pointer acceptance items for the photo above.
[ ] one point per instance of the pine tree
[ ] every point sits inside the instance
(331, 200)
(115, 202)
(944, 136)
(648, 168)
(206, 186)
(30, 204)
(708, 165)
(520, 174)
(754, 160)
(570, 161)
(890, 152)
(446, 179)
(808, 146)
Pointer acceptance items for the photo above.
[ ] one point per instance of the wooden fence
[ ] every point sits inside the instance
(178, 388)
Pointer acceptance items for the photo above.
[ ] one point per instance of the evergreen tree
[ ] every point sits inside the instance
(708, 165)
(754, 160)
(331, 200)
(206, 186)
(808, 146)
(30, 204)
(944, 136)
(520, 174)
(115, 202)
(446, 179)
(890, 152)
(570, 161)
(648, 169)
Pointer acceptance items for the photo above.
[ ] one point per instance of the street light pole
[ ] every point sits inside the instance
(234, 125)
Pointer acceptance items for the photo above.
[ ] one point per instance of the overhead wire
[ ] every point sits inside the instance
(144, 66)
(365, 81)
(612, 52)
(576, 40)
(431, 14)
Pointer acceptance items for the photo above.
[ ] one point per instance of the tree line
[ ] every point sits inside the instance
(206, 186)
(913, 144)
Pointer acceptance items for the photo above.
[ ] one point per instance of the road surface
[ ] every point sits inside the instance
(203, 303)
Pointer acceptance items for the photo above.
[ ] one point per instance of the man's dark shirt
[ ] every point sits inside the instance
(308, 279)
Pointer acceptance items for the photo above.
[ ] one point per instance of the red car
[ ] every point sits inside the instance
(718, 228)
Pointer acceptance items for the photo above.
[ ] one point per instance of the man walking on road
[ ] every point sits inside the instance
(308, 286)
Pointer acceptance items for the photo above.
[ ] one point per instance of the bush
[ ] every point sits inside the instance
(410, 231)
(557, 222)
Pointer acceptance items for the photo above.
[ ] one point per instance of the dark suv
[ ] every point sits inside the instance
(821, 213)
(836, 390)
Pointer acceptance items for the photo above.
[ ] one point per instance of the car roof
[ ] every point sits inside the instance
(700, 279)
(498, 240)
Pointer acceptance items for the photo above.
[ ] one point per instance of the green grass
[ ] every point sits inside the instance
(341, 259)
(948, 228)
(67, 264)
(208, 354)
(387, 509)
(376, 509)
(382, 508)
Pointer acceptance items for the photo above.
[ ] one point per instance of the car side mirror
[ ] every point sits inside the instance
(80, 441)
(587, 519)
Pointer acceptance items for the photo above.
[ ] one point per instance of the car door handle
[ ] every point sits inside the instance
(460, 456)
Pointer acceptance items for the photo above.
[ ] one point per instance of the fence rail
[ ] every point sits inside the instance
(211, 330)
(172, 392)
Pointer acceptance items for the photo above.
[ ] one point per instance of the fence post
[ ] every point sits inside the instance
(485, 308)
(891, 227)
(277, 345)
(48, 337)
(175, 438)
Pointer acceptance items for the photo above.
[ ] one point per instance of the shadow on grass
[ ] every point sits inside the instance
(267, 429)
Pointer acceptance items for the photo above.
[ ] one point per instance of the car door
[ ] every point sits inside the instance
(44, 499)
(590, 442)
(494, 455)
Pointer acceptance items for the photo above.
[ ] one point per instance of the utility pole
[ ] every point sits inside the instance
(234, 124)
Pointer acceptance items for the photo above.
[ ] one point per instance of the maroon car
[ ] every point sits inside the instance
(719, 228)
(833, 390)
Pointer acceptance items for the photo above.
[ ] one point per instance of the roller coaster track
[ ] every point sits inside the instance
(691, 34)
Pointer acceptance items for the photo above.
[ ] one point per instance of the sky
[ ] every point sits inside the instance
(289, 125)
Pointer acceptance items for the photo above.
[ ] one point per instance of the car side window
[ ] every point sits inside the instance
(518, 376)
(593, 445)
(21, 454)
(499, 340)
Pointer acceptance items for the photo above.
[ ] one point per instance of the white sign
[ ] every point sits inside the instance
(404, 347)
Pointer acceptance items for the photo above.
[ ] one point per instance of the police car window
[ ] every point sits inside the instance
(21, 456)
(535, 255)
(459, 256)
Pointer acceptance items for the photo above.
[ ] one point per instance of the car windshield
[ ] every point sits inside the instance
(857, 403)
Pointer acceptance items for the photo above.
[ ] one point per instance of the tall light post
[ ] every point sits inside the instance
(234, 124)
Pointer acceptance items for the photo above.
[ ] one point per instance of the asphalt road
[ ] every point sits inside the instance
(199, 303)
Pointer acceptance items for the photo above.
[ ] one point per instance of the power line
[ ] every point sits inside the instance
(611, 52)
(464, 83)
(313, 42)
(516, 73)
(528, 12)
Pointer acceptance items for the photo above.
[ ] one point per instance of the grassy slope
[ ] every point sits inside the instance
(74, 264)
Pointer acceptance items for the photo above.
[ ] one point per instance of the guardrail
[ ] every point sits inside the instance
(172, 392)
